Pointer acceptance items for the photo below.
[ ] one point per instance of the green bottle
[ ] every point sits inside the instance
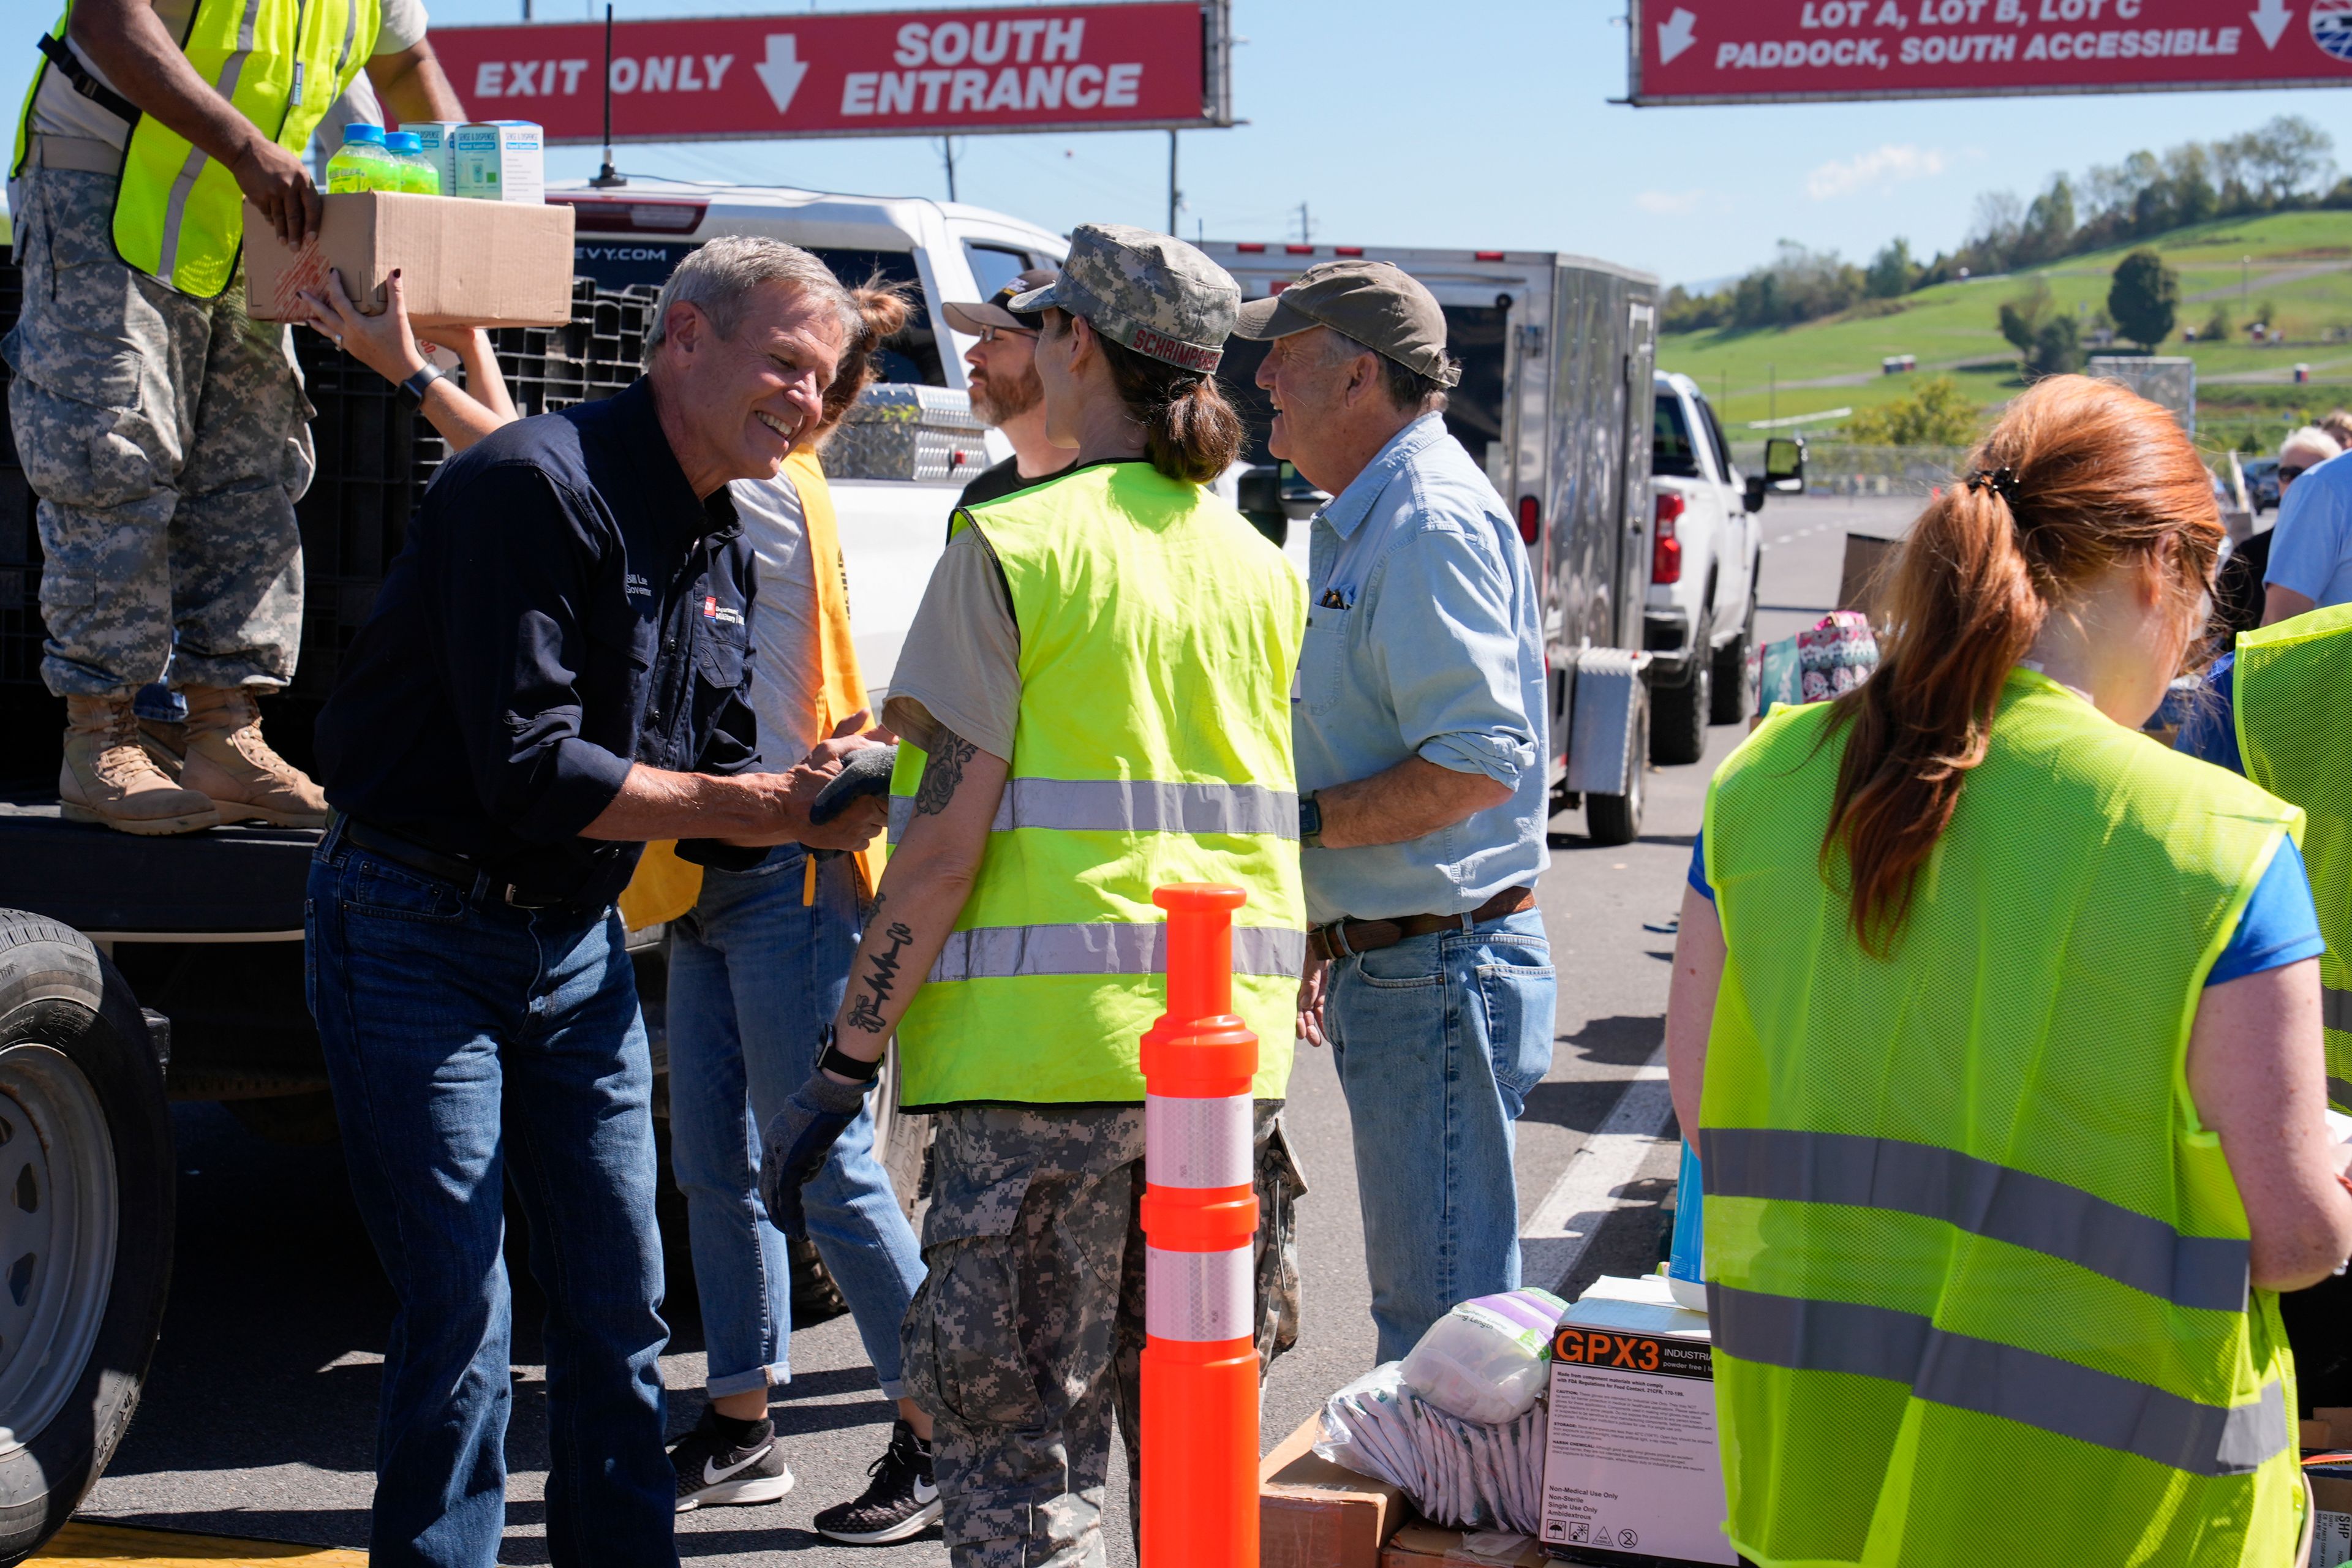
(361, 163)
(414, 172)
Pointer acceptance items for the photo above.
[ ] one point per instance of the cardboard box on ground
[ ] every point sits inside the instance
(2330, 1428)
(461, 263)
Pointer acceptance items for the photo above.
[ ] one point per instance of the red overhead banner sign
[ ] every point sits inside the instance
(1120, 65)
(1762, 51)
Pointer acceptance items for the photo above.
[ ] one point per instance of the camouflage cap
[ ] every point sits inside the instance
(1145, 291)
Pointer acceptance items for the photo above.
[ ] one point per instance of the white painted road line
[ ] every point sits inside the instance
(1555, 1236)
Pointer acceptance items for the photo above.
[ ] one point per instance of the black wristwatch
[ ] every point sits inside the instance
(832, 1059)
(415, 385)
(1310, 822)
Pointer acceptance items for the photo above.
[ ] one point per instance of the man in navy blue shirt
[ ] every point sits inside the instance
(555, 672)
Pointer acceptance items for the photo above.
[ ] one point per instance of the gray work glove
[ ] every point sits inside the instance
(798, 1139)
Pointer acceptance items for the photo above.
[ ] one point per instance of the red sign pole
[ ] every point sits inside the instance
(1107, 65)
(1794, 51)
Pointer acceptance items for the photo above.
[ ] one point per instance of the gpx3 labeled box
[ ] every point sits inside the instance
(1632, 1473)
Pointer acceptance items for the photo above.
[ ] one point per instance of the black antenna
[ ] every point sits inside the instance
(606, 178)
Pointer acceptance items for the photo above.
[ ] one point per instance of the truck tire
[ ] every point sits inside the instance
(1735, 680)
(1613, 819)
(86, 1230)
(1679, 734)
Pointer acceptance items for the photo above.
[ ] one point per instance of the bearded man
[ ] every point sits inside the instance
(1005, 390)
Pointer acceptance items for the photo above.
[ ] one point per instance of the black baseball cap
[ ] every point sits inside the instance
(971, 318)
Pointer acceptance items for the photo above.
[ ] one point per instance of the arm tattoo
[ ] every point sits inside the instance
(942, 773)
(881, 980)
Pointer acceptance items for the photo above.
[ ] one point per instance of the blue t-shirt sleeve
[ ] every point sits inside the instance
(2210, 731)
(2307, 543)
(2281, 925)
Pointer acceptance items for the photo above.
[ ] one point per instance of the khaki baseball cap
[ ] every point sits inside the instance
(971, 318)
(1150, 292)
(1377, 303)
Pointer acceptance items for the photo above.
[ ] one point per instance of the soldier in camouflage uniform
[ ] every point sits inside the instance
(1094, 703)
(165, 433)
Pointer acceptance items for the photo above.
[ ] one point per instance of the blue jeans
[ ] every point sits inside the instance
(1438, 1040)
(755, 977)
(470, 1045)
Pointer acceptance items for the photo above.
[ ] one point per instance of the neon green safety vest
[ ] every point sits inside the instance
(1159, 631)
(179, 216)
(2295, 731)
(1977, 1276)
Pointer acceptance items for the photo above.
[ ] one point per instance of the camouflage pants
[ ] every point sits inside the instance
(1027, 1333)
(168, 439)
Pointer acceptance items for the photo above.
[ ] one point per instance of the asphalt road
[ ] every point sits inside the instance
(259, 1415)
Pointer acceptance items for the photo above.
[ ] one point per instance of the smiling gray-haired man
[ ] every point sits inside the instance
(556, 672)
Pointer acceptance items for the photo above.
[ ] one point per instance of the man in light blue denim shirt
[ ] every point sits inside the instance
(1420, 723)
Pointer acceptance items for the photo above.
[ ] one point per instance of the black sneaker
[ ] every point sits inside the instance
(714, 1472)
(901, 1502)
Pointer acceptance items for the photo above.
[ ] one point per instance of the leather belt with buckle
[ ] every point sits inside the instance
(455, 869)
(1343, 939)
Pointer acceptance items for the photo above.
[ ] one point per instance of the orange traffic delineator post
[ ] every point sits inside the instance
(1200, 1211)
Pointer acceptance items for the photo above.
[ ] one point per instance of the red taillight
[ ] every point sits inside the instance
(1347, 250)
(1298, 250)
(601, 215)
(1530, 518)
(1489, 255)
(1251, 248)
(1665, 549)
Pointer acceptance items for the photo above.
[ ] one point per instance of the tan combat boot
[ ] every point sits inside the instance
(165, 742)
(227, 760)
(108, 778)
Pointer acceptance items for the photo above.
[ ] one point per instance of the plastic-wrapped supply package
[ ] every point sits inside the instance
(1485, 1360)
(1464, 1474)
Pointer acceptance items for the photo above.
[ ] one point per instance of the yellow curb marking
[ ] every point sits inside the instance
(80, 1545)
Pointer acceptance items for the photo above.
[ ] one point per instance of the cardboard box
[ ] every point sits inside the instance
(488, 264)
(1313, 1513)
(1631, 1467)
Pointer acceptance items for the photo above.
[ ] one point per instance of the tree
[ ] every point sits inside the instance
(2057, 348)
(1892, 272)
(1938, 413)
(2049, 225)
(2144, 299)
(2218, 326)
(2021, 317)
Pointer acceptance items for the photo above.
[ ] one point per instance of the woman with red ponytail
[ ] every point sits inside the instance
(1997, 1025)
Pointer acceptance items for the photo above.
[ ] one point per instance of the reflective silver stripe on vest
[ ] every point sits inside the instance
(2335, 1009)
(184, 184)
(1993, 1379)
(1997, 1202)
(1131, 806)
(1101, 947)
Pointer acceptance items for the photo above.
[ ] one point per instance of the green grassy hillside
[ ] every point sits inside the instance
(2301, 264)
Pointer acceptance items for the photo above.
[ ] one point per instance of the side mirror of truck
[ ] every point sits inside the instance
(1784, 464)
(1757, 491)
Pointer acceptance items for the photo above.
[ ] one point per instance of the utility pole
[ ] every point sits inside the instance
(946, 150)
(1772, 380)
(1175, 196)
(1306, 226)
(2245, 268)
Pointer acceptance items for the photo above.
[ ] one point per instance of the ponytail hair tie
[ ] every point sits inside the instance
(2001, 481)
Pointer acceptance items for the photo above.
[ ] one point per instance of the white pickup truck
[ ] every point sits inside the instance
(1698, 622)
(892, 528)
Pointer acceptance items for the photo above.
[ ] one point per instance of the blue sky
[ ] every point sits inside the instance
(1475, 123)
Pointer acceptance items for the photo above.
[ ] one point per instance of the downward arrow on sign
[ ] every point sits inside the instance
(2272, 20)
(782, 71)
(1679, 32)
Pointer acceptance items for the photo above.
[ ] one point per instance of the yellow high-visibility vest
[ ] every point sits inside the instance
(179, 216)
(1159, 633)
(1977, 1276)
(2293, 706)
